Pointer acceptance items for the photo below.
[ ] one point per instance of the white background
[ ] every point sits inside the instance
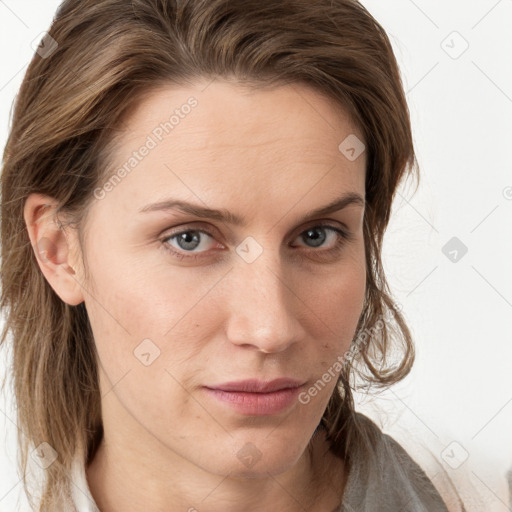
(460, 389)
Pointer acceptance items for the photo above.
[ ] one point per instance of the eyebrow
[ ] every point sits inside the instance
(222, 215)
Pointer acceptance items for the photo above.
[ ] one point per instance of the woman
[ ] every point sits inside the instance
(194, 197)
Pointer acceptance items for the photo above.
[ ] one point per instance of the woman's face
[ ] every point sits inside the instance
(181, 303)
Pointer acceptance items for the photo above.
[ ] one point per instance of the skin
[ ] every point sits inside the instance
(269, 155)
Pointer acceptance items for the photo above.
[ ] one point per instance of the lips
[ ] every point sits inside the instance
(258, 386)
(255, 397)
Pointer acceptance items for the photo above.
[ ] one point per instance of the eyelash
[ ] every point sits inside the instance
(343, 236)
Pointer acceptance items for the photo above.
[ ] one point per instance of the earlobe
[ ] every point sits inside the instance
(52, 247)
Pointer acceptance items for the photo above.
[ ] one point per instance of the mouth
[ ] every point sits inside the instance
(254, 397)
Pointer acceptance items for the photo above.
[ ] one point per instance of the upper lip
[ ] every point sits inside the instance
(258, 386)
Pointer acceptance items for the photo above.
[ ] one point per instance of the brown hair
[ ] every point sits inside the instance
(109, 54)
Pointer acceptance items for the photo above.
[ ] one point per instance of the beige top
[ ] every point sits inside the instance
(386, 479)
(383, 479)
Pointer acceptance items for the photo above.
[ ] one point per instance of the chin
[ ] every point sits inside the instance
(261, 457)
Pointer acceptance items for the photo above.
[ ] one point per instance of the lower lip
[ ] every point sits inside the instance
(256, 404)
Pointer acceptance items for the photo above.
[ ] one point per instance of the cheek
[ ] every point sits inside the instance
(133, 295)
(137, 312)
(337, 299)
(338, 304)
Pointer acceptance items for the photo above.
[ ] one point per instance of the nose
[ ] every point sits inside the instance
(263, 308)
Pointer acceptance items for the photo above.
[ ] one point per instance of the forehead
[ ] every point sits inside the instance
(229, 116)
(241, 141)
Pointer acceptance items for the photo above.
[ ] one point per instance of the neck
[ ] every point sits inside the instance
(131, 479)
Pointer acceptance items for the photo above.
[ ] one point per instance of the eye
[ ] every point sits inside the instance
(317, 235)
(187, 241)
(193, 243)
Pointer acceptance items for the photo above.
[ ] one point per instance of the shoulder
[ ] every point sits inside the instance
(382, 476)
(80, 492)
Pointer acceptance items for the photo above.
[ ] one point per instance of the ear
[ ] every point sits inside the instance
(54, 247)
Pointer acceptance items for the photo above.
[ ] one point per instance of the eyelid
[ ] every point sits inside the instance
(322, 223)
(184, 228)
(343, 233)
(208, 230)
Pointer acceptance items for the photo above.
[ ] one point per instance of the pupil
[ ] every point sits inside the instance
(318, 240)
(185, 237)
